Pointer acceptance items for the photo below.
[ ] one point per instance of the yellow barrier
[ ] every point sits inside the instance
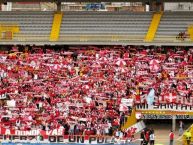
(8, 29)
(184, 141)
(55, 32)
(131, 120)
(153, 27)
(190, 32)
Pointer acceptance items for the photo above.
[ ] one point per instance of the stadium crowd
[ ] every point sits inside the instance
(80, 89)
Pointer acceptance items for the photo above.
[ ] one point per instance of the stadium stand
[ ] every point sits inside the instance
(82, 89)
(36, 26)
(84, 86)
(89, 26)
(101, 93)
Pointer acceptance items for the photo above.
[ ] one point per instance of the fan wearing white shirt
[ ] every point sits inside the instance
(152, 138)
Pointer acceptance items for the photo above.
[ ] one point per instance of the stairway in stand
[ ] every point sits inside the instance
(153, 27)
(55, 32)
(190, 32)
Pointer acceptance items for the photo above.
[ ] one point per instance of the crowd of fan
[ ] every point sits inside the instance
(80, 89)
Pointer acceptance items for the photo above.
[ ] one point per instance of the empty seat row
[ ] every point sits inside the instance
(172, 23)
(98, 23)
(30, 23)
(105, 23)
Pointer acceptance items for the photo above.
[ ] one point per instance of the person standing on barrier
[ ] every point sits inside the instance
(181, 128)
(171, 136)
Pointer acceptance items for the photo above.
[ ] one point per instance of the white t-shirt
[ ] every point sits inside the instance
(40, 104)
(117, 133)
(106, 130)
(35, 76)
(109, 124)
(120, 134)
(152, 137)
(18, 123)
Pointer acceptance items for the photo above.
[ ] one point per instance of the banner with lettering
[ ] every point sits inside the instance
(67, 139)
(51, 144)
(163, 116)
(165, 107)
(57, 136)
(167, 102)
(52, 136)
(34, 132)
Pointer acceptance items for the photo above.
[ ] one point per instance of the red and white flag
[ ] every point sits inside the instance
(121, 63)
(170, 97)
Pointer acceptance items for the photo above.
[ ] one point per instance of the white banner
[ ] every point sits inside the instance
(128, 102)
(11, 103)
(139, 126)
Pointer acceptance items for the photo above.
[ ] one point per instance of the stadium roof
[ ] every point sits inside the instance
(4, 1)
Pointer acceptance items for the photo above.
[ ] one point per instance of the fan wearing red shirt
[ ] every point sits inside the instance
(147, 137)
(171, 136)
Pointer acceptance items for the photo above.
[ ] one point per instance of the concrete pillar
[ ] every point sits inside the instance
(6, 6)
(156, 5)
(59, 7)
(174, 123)
(147, 6)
